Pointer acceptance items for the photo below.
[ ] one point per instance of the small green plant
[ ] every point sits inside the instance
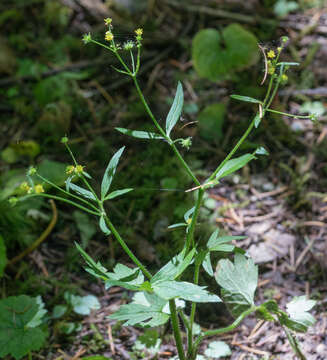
(161, 297)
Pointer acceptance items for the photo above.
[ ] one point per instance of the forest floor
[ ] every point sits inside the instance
(283, 216)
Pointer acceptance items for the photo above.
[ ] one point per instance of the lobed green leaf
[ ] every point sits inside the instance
(238, 281)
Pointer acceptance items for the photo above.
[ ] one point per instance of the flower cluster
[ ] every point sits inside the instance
(26, 188)
(71, 169)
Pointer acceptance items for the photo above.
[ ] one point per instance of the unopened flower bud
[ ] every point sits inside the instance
(86, 38)
(38, 189)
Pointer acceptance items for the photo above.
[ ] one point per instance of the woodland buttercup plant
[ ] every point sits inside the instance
(161, 297)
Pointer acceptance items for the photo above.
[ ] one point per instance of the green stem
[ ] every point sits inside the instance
(289, 115)
(268, 90)
(176, 330)
(239, 143)
(59, 198)
(185, 320)
(276, 88)
(192, 316)
(148, 110)
(294, 344)
(127, 250)
(222, 330)
(66, 192)
(190, 234)
(179, 156)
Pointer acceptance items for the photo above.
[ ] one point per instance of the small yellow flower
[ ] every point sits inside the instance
(139, 32)
(38, 189)
(70, 169)
(271, 54)
(108, 21)
(279, 49)
(109, 36)
(79, 169)
(284, 78)
(25, 187)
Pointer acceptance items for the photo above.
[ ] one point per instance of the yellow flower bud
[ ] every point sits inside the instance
(25, 187)
(109, 36)
(108, 21)
(38, 189)
(139, 32)
(79, 169)
(70, 169)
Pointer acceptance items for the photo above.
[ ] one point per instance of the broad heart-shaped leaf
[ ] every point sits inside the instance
(81, 191)
(140, 134)
(117, 193)
(175, 110)
(174, 267)
(149, 314)
(238, 281)
(110, 172)
(246, 99)
(184, 290)
(217, 56)
(298, 310)
(233, 165)
(123, 276)
(3, 256)
(16, 338)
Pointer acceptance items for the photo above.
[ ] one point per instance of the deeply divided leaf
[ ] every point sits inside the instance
(175, 110)
(122, 275)
(184, 290)
(174, 267)
(150, 312)
(238, 282)
(298, 310)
